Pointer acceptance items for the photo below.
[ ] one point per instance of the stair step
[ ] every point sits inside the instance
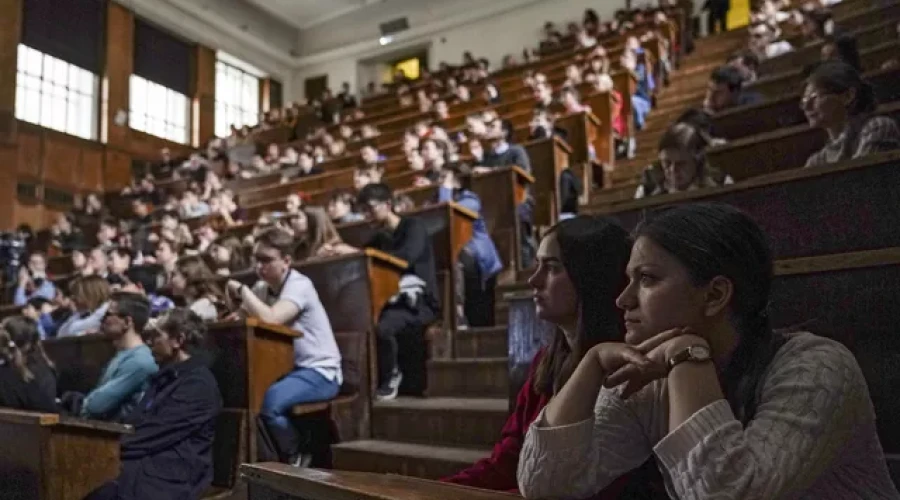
(389, 457)
(463, 422)
(469, 377)
(490, 342)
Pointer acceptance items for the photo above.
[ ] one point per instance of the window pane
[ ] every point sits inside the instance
(33, 62)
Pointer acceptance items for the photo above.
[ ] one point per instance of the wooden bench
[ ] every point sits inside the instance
(746, 121)
(45, 456)
(833, 230)
(271, 481)
(781, 149)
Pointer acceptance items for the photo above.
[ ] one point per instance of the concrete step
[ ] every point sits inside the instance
(389, 457)
(489, 342)
(458, 422)
(469, 378)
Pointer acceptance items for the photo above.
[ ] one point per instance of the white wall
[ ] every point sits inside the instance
(231, 26)
(488, 29)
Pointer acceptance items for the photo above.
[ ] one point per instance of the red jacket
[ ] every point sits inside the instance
(498, 472)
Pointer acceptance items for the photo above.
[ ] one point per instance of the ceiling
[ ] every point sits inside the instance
(304, 14)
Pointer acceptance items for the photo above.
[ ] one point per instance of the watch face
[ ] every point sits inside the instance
(700, 352)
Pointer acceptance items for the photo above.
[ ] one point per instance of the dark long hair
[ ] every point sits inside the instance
(594, 251)
(837, 77)
(20, 345)
(713, 240)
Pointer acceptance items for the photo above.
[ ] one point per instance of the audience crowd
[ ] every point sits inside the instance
(687, 392)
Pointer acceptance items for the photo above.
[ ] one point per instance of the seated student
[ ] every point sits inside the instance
(682, 161)
(27, 376)
(199, 287)
(842, 48)
(33, 280)
(578, 259)
(122, 383)
(145, 280)
(503, 154)
(340, 208)
(747, 63)
(728, 407)
(415, 307)
(363, 176)
(322, 238)
(228, 256)
(479, 260)
(725, 90)
(838, 100)
(284, 296)
(41, 311)
(169, 455)
(90, 301)
(65, 234)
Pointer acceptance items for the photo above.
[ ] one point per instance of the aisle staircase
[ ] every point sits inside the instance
(468, 396)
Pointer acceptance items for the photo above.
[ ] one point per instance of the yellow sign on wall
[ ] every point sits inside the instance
(739, 15)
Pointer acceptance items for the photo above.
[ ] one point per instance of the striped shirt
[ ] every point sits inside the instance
(861, 137)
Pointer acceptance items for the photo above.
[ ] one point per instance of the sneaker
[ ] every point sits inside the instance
(389, 389)
(301, 460)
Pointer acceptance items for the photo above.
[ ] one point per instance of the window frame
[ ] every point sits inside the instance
(56, 94)
(237, 98)
(154, 109)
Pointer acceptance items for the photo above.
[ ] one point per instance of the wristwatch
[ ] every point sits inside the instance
(697, 353)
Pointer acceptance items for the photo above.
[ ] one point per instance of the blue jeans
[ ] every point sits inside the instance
(303, 385)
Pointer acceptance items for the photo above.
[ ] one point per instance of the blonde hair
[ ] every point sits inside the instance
(91, 291)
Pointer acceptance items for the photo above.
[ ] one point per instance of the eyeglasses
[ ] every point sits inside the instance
(110, 314)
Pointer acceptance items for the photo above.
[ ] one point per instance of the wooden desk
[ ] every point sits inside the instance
(48, 457)
(271, 481)
(450, 227)
(549, 157)
(781, 149)
(773, 114)
(866, 38)
(777, 85)
(833, 209)
(312, 183)
(501, 191)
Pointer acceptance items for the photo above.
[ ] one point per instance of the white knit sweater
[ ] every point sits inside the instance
(813, 437)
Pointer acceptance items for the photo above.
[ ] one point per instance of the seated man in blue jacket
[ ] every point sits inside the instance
(169, 455)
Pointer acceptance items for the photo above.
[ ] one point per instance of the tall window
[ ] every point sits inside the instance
(55, 94)
(237, 98)
(158, 110)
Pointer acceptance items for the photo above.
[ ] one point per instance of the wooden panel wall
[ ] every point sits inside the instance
(42, 159)
(204, 105)
(10, 23)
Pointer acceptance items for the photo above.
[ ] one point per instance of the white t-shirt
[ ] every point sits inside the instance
(317, 348)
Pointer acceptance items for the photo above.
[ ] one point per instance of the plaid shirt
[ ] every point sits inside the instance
(861, 137)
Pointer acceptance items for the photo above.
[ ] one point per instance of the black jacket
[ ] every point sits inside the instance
(170, 453)
(412, 243)
(37, 395)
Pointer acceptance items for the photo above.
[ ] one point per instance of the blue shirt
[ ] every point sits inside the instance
(481, 246)
(47, 290)
(121, 385)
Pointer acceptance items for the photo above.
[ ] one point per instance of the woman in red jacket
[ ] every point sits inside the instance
(581, 271)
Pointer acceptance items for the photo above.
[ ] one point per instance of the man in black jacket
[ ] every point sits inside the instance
(407, 314)
(169, 455)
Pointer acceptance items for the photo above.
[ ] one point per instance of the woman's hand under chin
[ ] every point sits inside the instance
(657, 350)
